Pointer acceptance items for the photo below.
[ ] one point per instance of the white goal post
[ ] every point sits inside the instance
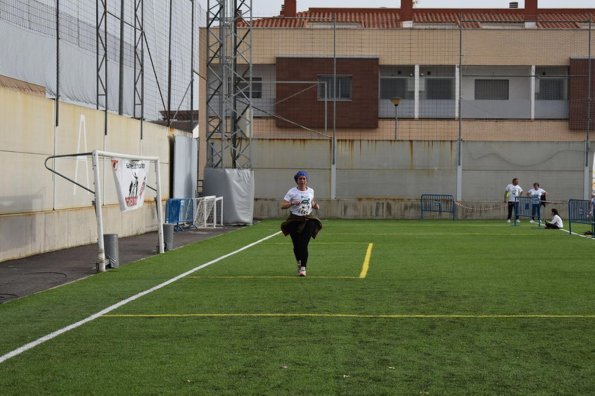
(205, 211)
(96, 155)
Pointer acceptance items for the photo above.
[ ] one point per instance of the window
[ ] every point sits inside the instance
(256, 87)
(502, 25)
(551, 89)
(421, 25)
(439, 88)
(394, 87)
(336, 25)
(491, 89)
(342, 91)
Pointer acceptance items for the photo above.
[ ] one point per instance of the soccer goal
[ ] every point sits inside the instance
(131, 182)
(206, 210)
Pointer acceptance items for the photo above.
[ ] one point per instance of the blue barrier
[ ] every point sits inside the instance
(438, 203)
(528, 207)
(179, 211)
(579, 211)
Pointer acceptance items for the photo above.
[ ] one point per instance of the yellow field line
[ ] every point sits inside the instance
(362, 275)
(366, 264)
(356, 316)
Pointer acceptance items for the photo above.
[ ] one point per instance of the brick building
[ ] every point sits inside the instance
(483, 95)
(509, 65)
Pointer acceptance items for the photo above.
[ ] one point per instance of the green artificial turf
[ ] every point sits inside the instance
(465, 307)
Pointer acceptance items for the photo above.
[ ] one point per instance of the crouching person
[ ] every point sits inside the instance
(556, 222)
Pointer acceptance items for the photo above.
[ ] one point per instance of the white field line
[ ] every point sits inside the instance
(111, 308)
(574, 233)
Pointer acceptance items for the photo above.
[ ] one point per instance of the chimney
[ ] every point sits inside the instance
(289, 9)
(530, 13)
(406, 13)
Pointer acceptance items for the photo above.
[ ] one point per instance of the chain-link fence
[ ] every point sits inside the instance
(455, 107)
(146, 45)
(436, 80)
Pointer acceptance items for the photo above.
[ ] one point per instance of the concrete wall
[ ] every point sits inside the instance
(388, 208)
(384, 179)
(41, 212)
(381, 173)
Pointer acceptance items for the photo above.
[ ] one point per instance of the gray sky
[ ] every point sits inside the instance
(272, 7)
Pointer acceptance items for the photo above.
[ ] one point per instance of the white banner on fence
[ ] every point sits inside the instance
(131, 179)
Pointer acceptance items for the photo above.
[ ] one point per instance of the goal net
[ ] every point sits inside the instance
(208, 211)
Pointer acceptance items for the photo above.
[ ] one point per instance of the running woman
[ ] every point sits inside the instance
(301, 225)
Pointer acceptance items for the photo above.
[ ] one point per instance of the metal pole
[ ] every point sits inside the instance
(98, 214)
(396, 121)
(334, 142)
(159, 209)
(251, 120)
(192, 66)
(234, 86)
(459, 138)
(57, 108)
(97, 53)
(169, 68)
(142, 75)
(325, 107)
(587, 177)
(106, 67)
(121, 77)
(224, 73)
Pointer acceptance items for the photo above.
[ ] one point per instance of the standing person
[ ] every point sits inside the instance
(537, 195)
(556, 222)
(592, 206)
(511, 192)
(301, 225)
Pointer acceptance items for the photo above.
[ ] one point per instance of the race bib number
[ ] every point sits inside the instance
(305, 208)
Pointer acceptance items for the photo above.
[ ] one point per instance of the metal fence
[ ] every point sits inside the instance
(124, 55)
(501, 98)
(440, 73)
(581, 211)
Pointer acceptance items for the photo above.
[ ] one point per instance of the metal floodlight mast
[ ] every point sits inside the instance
(139, 64)
(101, 57)
(229, 83)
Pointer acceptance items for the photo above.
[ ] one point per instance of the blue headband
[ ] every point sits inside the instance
(300, 174)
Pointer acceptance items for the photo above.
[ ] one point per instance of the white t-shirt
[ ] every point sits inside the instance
(536, 194)
(306, 198)
(556, 220)
(513, 192)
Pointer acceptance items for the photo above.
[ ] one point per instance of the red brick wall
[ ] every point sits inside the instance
(300, 105)
(578, 95)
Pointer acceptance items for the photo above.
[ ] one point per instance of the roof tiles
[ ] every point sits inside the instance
(390, 18)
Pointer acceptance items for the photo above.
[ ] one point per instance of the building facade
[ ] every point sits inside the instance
(395, 102)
